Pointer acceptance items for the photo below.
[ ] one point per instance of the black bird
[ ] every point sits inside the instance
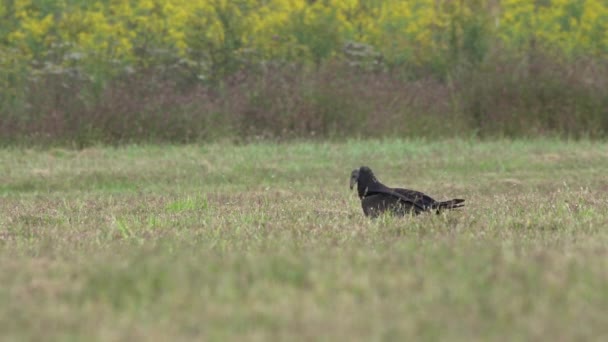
(377, 198)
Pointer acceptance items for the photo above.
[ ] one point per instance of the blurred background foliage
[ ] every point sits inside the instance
(528, 52)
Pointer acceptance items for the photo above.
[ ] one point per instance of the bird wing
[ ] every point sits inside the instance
(388, 191)
(378, 203)
(418, 197)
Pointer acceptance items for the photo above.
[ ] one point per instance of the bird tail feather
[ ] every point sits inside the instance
(451, 204)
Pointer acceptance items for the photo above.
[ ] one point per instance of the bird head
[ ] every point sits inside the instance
(363, 174)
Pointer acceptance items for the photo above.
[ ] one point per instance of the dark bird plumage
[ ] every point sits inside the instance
(377, 198)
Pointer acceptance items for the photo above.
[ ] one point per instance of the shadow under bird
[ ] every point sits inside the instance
(377, 198)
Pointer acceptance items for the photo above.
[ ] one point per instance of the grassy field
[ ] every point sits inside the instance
(266, 241)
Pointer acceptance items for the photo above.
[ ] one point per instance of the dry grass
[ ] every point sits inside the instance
(505, 96)
(265, 241)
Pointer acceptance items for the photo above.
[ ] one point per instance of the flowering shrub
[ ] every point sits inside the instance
(134, 70)
(217, 36)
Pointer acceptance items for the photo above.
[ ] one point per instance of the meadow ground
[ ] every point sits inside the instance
(265, 241)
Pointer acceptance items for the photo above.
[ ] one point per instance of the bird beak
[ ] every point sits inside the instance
(354, 177)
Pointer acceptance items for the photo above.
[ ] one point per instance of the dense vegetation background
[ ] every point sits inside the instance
(110, 71)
